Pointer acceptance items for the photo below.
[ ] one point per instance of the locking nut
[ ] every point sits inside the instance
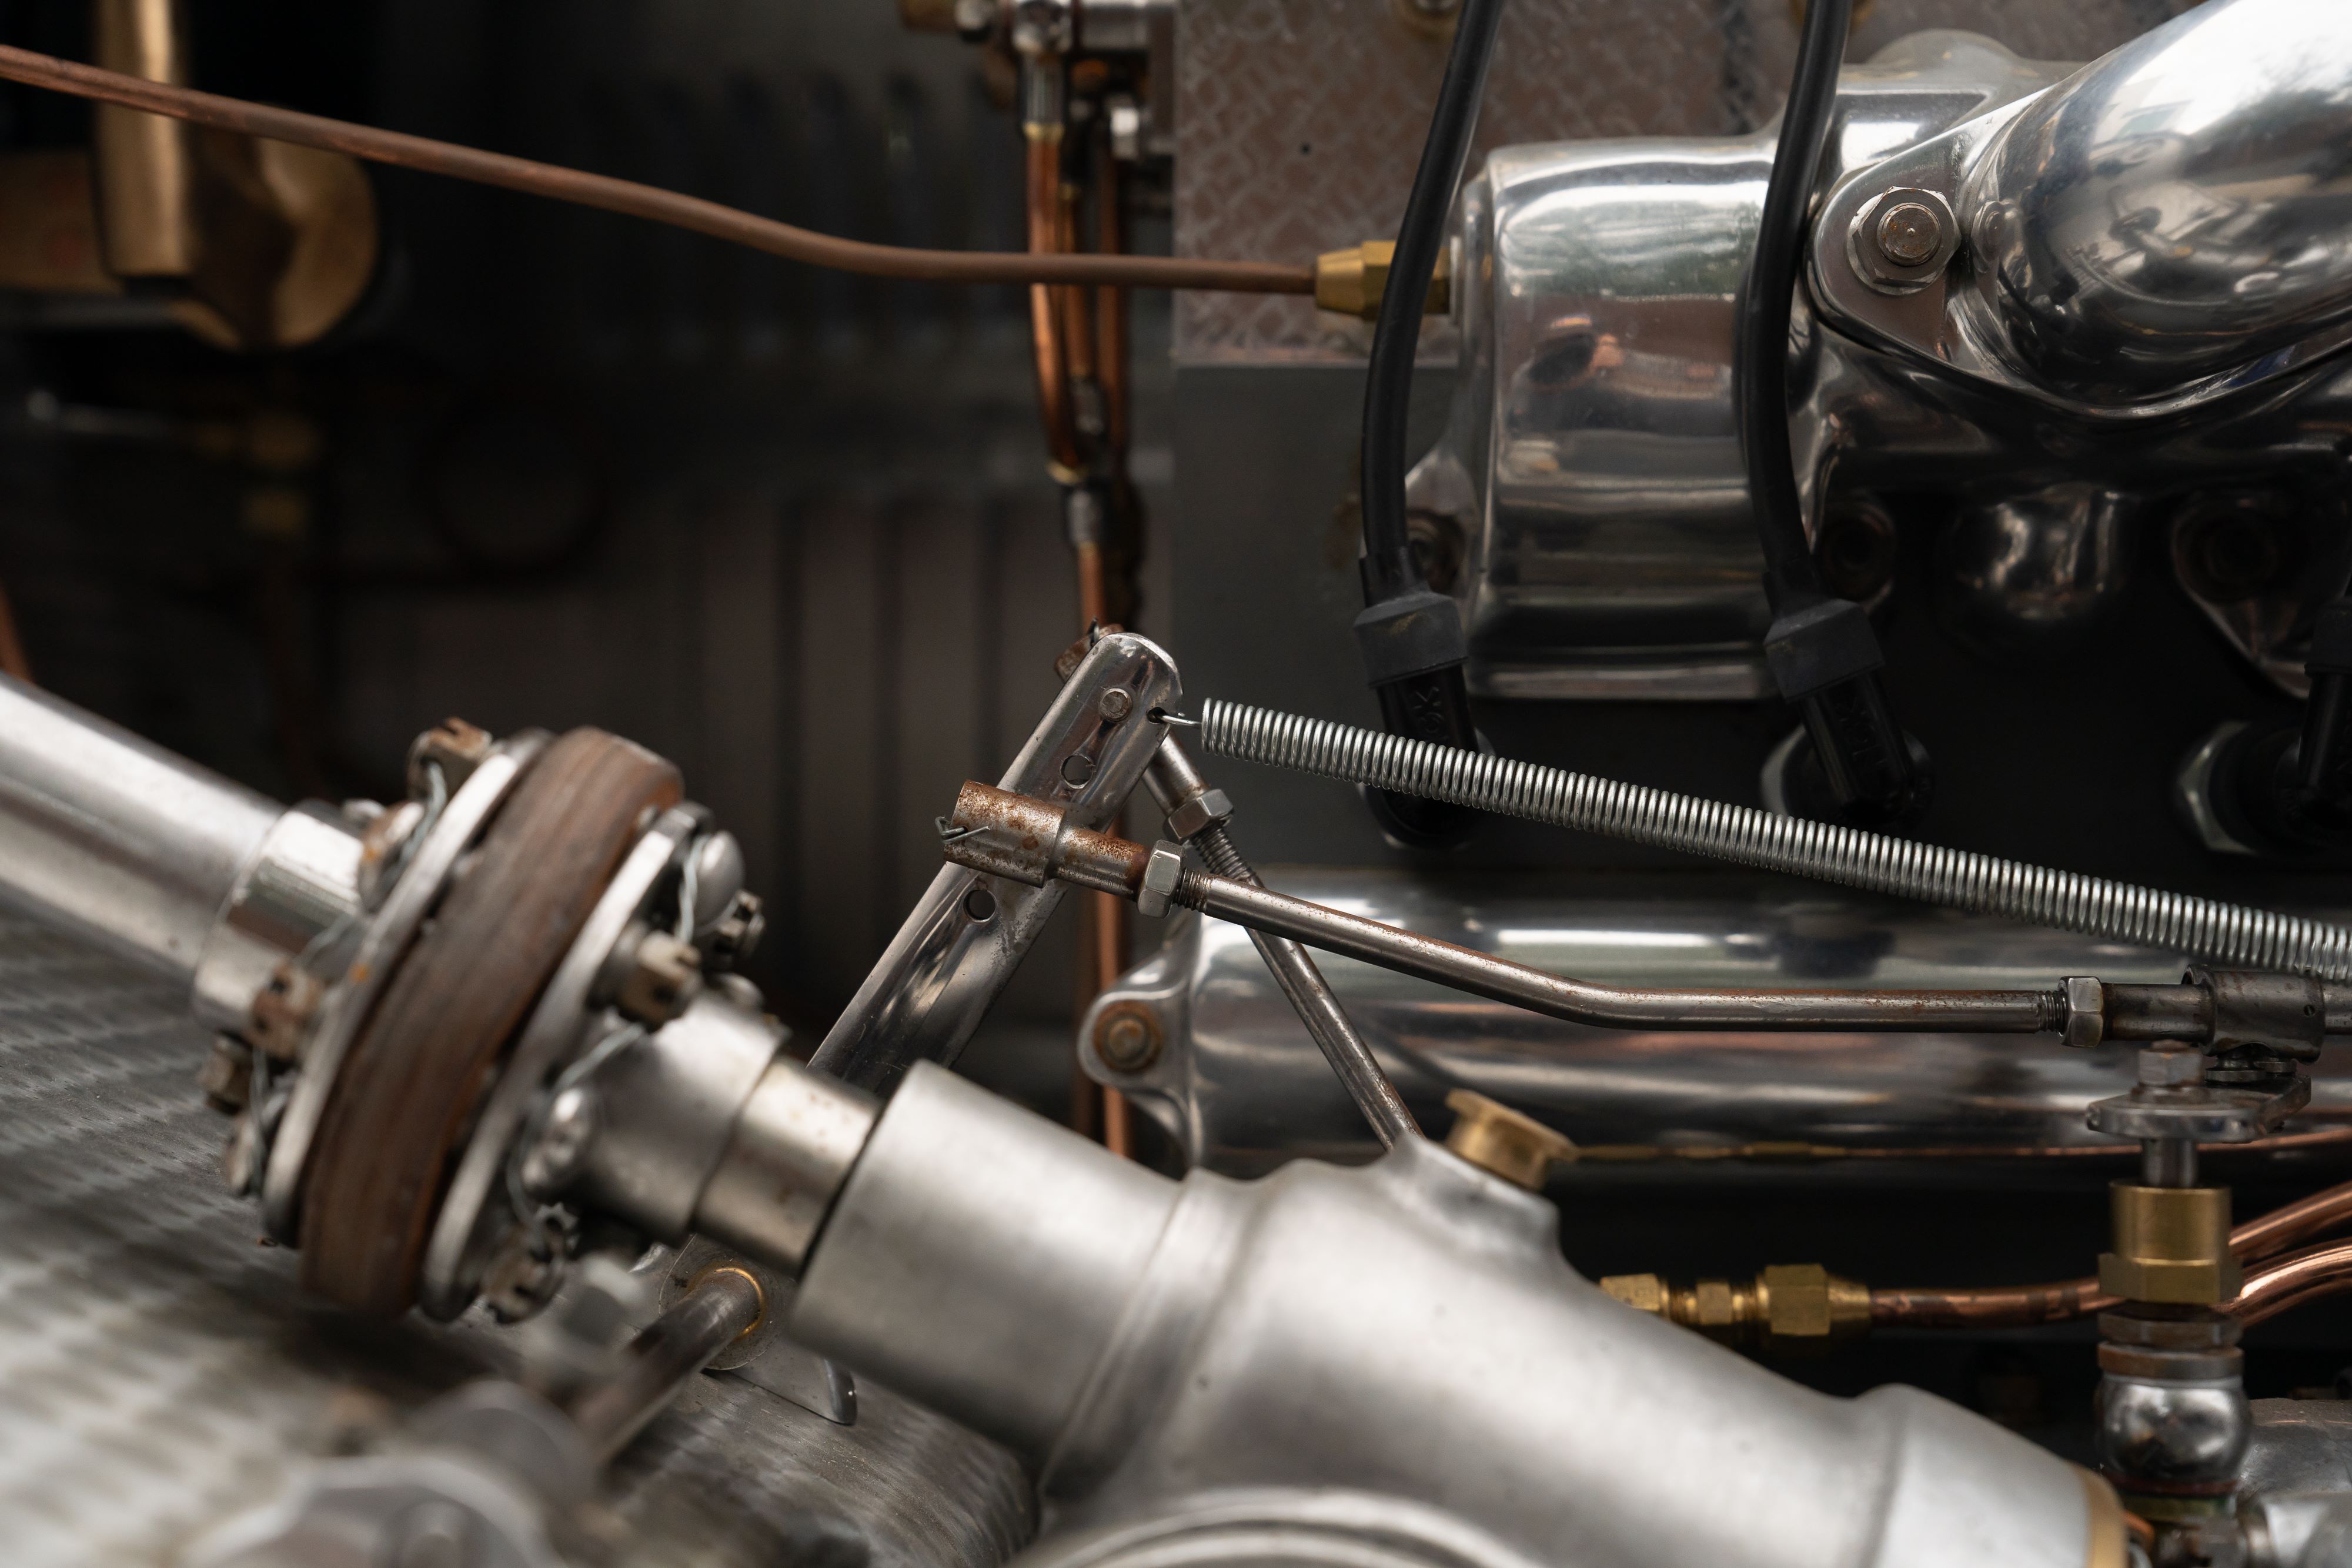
(1163, 874)
(735, 935)
(283, 1010)
(1197, 812)
(663, 978)
(455, 747)
(227, 1078)
(2086, 1011)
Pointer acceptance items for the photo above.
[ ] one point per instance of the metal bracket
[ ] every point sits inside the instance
(969, 931)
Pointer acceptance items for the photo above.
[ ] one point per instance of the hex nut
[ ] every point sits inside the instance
(1163, 874)
(1908, 233)
(2171, 1245)
(1900, 241)
(1197, 813)
(456, 747)
(1643, 1293)
(1127, 1038)
(664, 977)
(1806, 1307)
(2086, 1011)
(227, 1078)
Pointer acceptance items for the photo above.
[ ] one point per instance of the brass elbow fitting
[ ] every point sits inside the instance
(1789, 1309)
(1353, 281)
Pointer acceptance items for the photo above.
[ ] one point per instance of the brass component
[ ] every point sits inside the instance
(289, 243)
(1643, 1293)
(2171, 1245)
(1495, 1138)
(2107, 1530)
(49, 243)
(1789, 1309)
(1353, 281)
(145, 164)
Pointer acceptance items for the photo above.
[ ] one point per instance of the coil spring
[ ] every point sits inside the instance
(2226, 934)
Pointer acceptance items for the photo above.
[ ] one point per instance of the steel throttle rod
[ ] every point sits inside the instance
(1031, 842)
(1197, 814)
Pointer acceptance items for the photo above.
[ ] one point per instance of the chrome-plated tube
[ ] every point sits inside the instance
(1582, 1001)
(2225, 934)
(671, 1348)
(1174, 780)
(106, 835)
(1327, 1021)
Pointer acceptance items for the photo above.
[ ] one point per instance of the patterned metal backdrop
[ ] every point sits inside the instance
(1298, 120)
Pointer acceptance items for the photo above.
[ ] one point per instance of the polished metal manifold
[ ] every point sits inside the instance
(1387, 1363)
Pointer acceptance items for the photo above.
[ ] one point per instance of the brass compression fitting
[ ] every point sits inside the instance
(1787, 1309)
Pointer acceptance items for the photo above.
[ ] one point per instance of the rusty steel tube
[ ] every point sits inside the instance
(1005, 834)
(634, 200)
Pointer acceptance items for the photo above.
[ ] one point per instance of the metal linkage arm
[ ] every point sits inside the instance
(969, 931)
(1030, 840)
(1197, 814)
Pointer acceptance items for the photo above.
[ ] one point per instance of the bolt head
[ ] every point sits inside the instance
(1203, 812)
(1163, 875)
(1116, 704)
(1908, 233)
(2086, 1011)
(1127, 1037)
(553, 1162)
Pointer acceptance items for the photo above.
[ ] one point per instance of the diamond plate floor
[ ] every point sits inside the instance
(160, 1369)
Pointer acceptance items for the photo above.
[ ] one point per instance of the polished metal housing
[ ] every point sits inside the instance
(1240, 1087)
(1390, 1364)
(2160, 234)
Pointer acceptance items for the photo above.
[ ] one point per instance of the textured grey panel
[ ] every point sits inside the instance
(1300, 121)
(160, 1369)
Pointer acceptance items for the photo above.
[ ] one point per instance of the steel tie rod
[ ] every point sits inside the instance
(1196, 814)
(1009, 835)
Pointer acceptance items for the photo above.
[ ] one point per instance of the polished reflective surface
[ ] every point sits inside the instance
(1592, 461)
(2177, 217)
(2032, 576)
(1242, 1087)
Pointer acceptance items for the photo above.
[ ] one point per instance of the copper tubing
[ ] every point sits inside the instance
(634, 200)
(1047, 323)
(1110, 314)
(2007, 1306)
(2292, 1280)
(11, 647)
(2298, 1279)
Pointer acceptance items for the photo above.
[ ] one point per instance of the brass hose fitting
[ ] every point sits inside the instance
(1788, 1309)
(2171, 1245)
(1351, 281)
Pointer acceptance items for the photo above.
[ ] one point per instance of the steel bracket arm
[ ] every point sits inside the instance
(971, 930)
